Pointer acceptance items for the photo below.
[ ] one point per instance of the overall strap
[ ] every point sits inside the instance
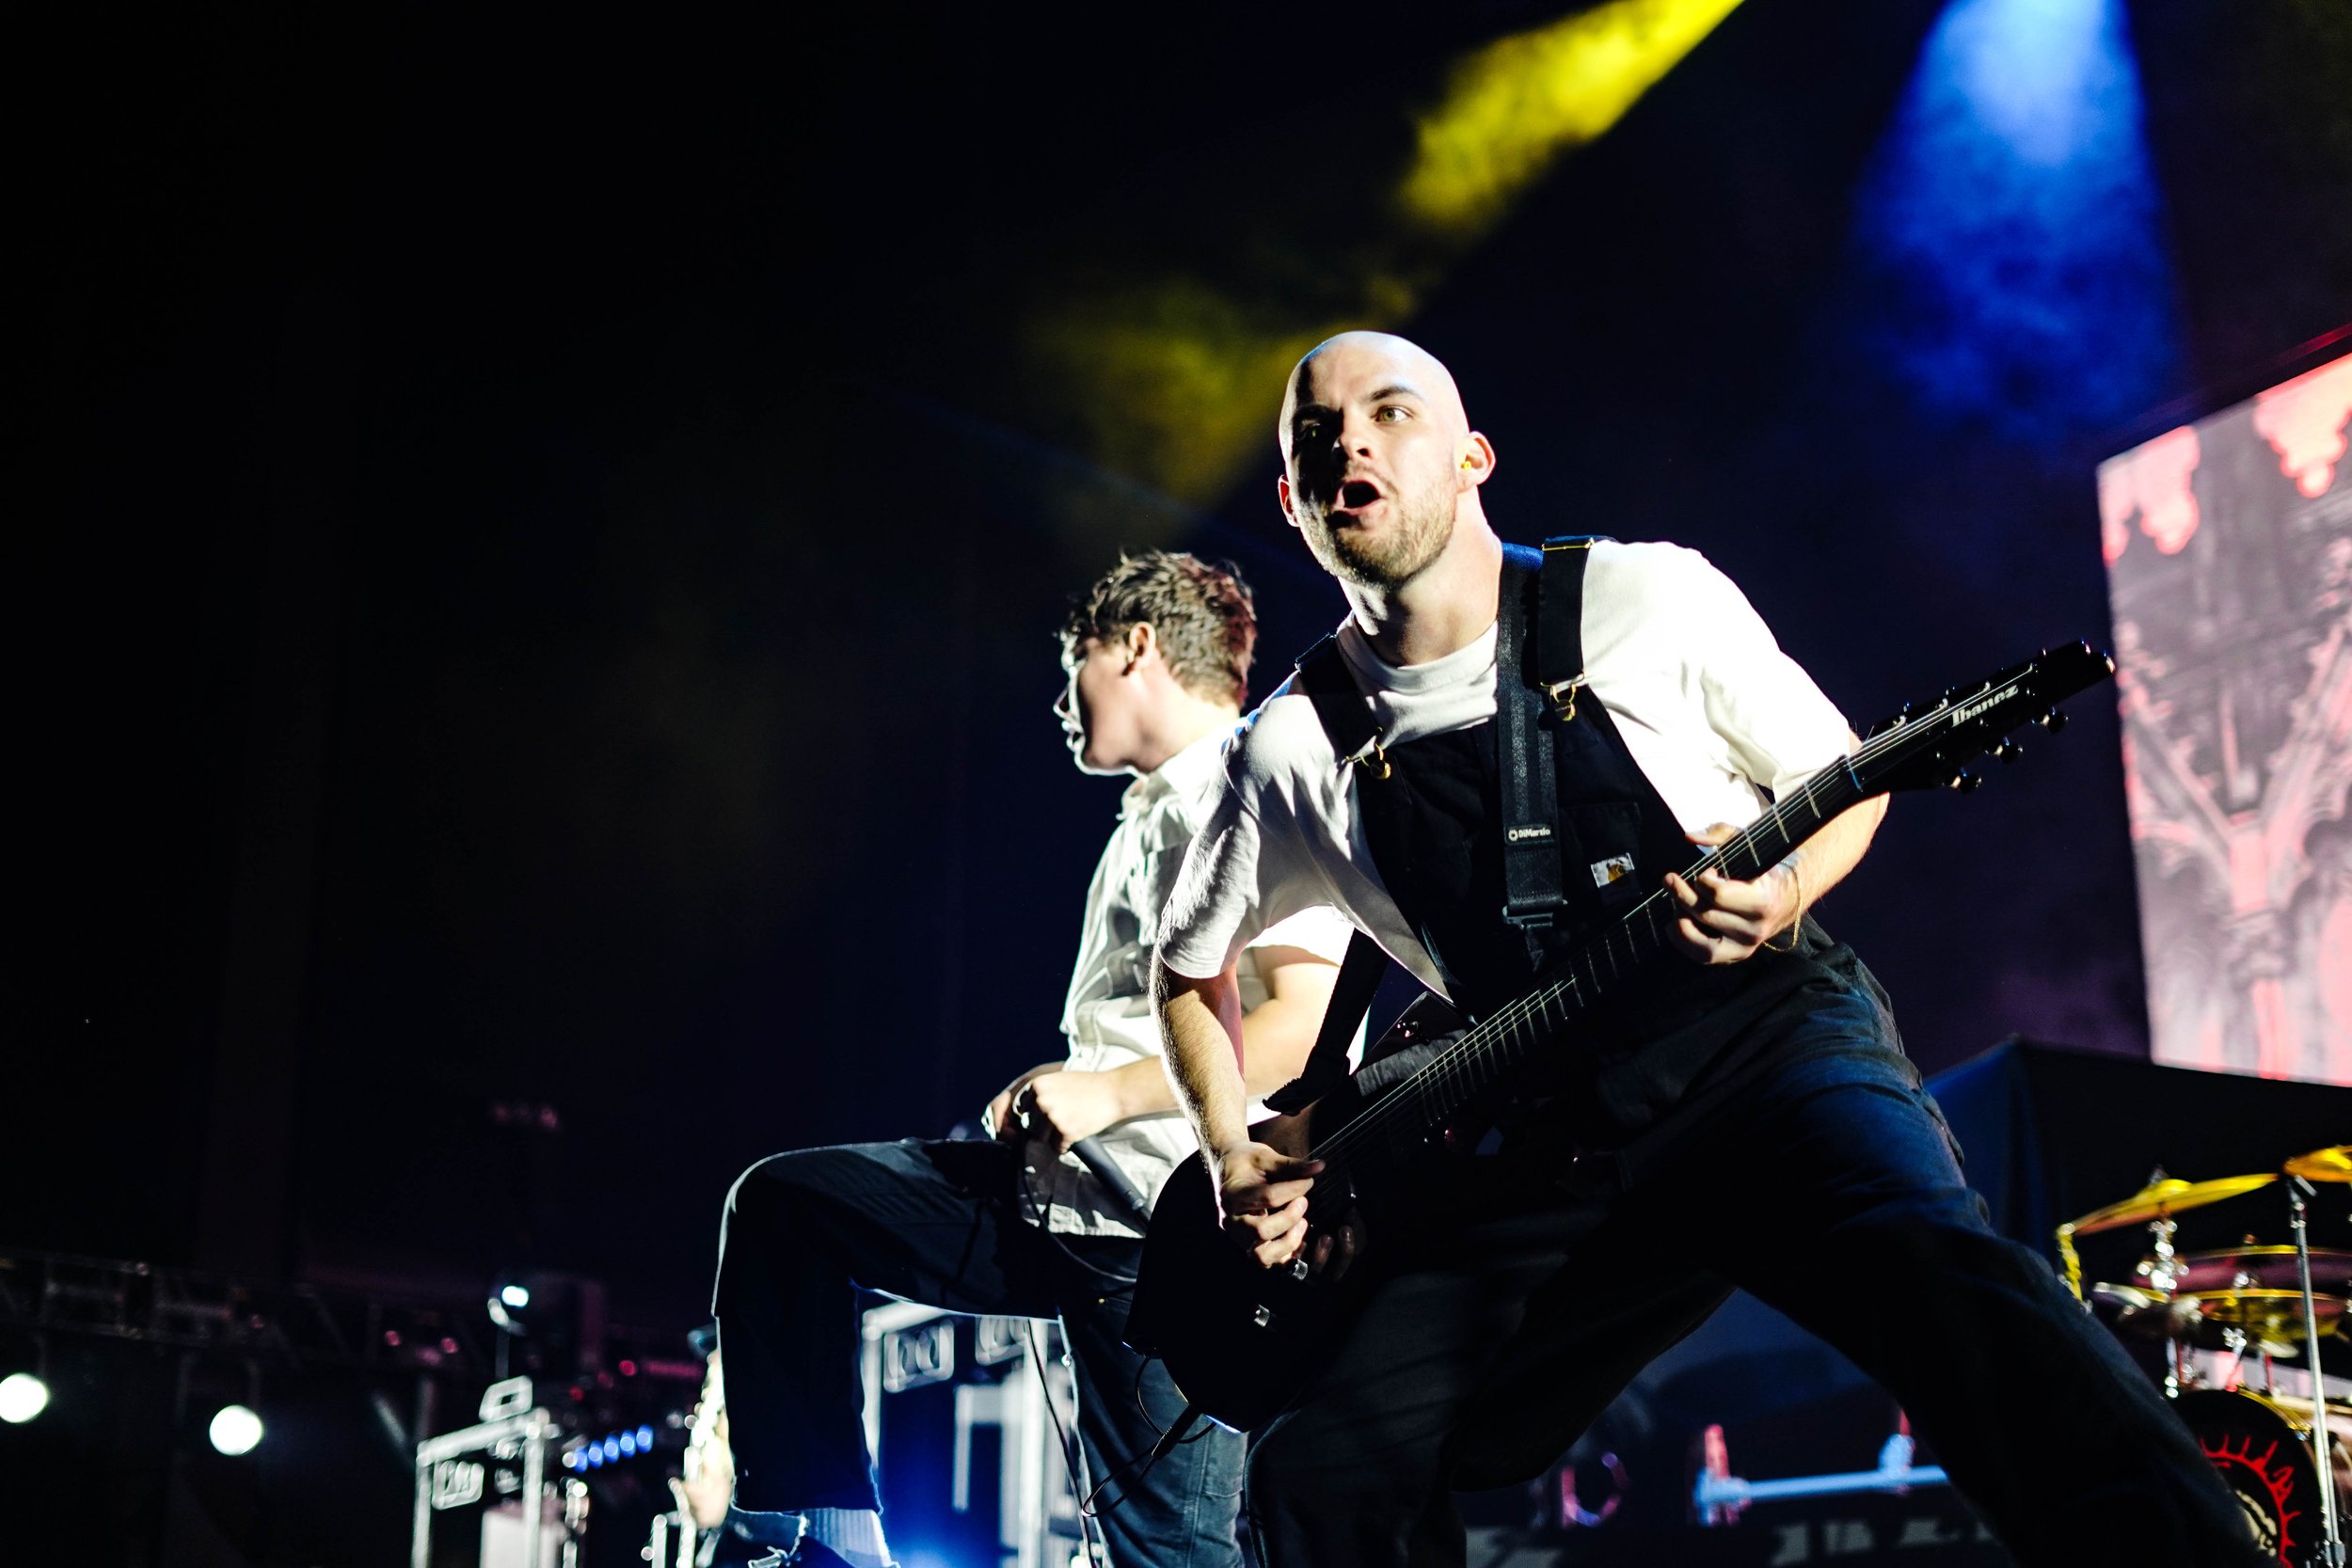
(1340, 704)
(1539, 643)
(1560, 617)
(1527, 775)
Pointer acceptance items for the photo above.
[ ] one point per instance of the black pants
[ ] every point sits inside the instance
(1510, 1311)
(937, 1223)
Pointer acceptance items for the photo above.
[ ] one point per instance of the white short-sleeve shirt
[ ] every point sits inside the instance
(1718, 718)
(1108, 1016)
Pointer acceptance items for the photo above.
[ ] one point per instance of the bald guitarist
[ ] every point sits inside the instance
(1412, 776)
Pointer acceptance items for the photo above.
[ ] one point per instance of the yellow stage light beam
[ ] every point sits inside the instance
(1173, 380)
(1514, 105)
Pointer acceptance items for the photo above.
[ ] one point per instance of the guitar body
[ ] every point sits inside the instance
(1240, 1341)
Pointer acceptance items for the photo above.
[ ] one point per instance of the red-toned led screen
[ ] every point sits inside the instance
(2229, 550)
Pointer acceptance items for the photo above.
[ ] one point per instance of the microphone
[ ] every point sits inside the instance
(1095, 1158)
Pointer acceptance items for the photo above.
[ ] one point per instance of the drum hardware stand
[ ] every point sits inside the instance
(2164, 1278)
(2331, 1532)
(2233, 1340)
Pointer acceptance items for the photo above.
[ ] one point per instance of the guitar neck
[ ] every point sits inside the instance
(1400, 1120)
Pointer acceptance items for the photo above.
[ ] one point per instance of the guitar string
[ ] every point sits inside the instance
(1471, 1056)
(1462, 1062)
(1476, 1052)
(1468, 1056)
(1475, 1056)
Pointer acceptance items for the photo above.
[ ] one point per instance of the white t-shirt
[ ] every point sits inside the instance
(1108, 1017)
(1711, 709)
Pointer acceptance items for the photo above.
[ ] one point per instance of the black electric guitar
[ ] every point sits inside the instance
(1240, 1340)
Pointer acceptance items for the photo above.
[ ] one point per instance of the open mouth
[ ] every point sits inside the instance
(1358, 494)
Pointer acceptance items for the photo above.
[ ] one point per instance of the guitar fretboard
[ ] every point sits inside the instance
(1400, 1120)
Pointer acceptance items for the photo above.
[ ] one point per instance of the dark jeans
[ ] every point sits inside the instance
(1513, 1307)
(938, 1223)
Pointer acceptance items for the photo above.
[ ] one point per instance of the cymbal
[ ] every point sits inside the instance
(2271, 1267)
(2167, 1197)
(2324, 1164)
(2272, 1317)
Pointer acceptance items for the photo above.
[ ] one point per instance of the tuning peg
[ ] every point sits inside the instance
(2053, 720)
(1965, 782)
(2008, 750)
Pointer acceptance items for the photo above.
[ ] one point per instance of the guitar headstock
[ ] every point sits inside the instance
(1930, 747)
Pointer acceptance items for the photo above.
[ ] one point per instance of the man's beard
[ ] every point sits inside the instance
(1425, 526)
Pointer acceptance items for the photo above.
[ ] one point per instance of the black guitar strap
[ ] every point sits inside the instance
(1347, 717)
(1351, 998)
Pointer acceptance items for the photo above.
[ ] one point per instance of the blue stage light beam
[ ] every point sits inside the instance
(2012, 227)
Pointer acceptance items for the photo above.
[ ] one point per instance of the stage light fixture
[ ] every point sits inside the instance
(509, 1303)
(23, 1396)
(235, 1430)
(613, 1446)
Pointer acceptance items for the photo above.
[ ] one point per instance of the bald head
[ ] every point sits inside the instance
(1362, 362)
(1379, 462)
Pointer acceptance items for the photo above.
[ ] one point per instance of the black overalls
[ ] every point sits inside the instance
(1684, 1035)
(1753, 1124)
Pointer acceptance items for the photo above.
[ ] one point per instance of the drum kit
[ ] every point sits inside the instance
(2223, 1319)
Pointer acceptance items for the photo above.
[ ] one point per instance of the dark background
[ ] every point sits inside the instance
(538, 544)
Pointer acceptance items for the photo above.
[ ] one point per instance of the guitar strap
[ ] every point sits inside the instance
(1351, 998)
(1533, 887)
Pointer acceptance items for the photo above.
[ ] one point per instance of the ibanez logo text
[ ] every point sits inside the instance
(1984, 704)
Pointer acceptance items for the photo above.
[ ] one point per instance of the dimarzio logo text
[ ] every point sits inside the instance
(1516, 835)
(1984, 704)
